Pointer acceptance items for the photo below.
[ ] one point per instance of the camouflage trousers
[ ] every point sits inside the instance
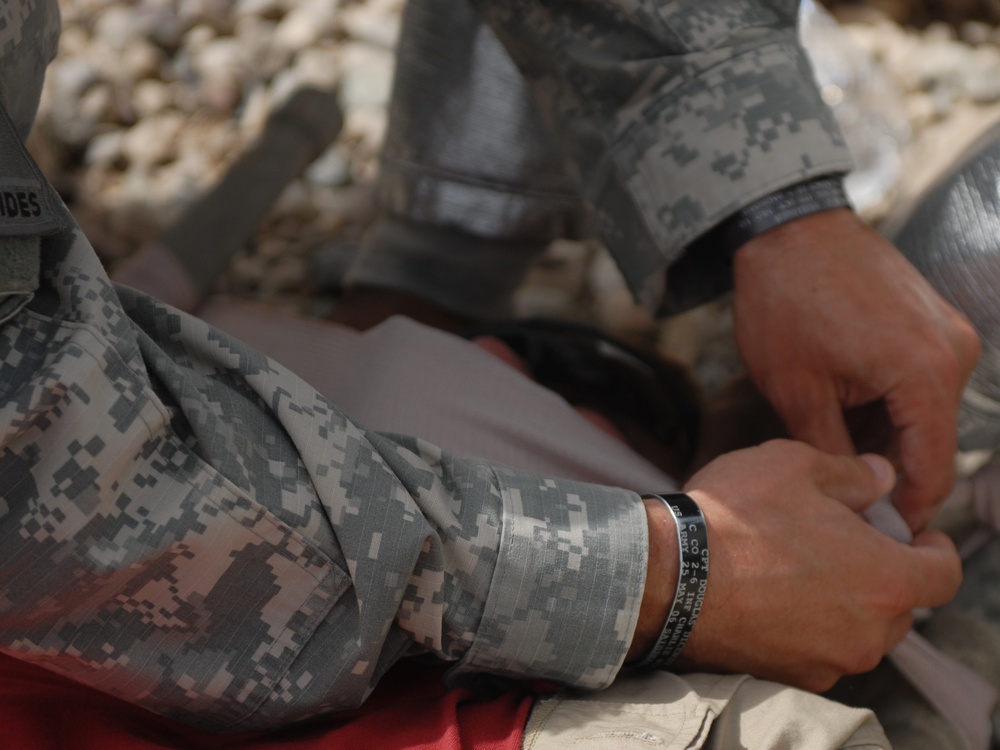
(471, 184)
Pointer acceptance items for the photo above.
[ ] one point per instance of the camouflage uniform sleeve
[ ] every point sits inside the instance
(188, 526)
(677, 113)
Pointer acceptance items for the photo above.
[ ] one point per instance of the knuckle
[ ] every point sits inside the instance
(865, 657)
(952, 361)
(896, 598)
(951, 580)
(820, 682)
(790, 450)
(969, 341)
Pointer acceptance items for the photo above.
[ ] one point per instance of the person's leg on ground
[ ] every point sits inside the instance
(471, 187)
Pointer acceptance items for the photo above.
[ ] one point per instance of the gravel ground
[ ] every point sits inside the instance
(149, 101)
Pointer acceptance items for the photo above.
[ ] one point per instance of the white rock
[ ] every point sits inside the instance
(386, 7)
(256, 37)
(256, 108)
(294, 199)
(105, 149)
(116, 27)
(151, 141)
(981, 81)
(74, 120)
(215, 13)
(74, 41)
(975, 32)
(319, 67)
(261, 8)
(308, 22)
(364, 25)
(97, 103)
(921, 110)
(198, 36)
(70, 77)
(151, 97)
(207, 145)
(162, 24)
(222, 68)
(939, 63)
(368, 74)
(331, 169)
(141, 60)
(366, 127)
(939, 32)
(222, 54)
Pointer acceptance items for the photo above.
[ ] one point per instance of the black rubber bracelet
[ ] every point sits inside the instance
(692, 579)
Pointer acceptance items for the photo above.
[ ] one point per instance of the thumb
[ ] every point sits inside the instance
(856, 481)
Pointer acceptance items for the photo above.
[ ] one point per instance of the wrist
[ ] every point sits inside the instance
(662, 568)
(690, 573)
(705, 268)
(777, 209)
(692, 580)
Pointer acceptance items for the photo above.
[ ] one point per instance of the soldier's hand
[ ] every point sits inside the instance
(829, 315)
(800, 590)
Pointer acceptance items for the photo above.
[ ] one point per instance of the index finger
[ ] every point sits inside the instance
(928, 440)
(813, 414)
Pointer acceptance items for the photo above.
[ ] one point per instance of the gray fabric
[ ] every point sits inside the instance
(951, 236)
(462, 273)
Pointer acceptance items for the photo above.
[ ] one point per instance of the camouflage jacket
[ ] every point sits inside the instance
(677, 113)
(189, 526)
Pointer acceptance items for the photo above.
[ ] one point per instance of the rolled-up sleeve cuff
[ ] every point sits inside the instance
(746, 127)
(565, 594)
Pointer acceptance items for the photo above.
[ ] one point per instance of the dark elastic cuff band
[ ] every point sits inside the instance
(692, 579)
(705, 270)
(778, 208)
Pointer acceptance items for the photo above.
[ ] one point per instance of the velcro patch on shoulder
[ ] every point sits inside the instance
(27, 203)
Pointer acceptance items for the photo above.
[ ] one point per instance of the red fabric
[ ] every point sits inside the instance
(410, 709)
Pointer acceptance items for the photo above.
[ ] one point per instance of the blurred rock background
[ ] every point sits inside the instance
(149, 101)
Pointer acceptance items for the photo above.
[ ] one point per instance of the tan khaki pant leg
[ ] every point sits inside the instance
(661, 710)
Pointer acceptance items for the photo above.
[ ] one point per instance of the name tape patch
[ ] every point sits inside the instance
(20, 203)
